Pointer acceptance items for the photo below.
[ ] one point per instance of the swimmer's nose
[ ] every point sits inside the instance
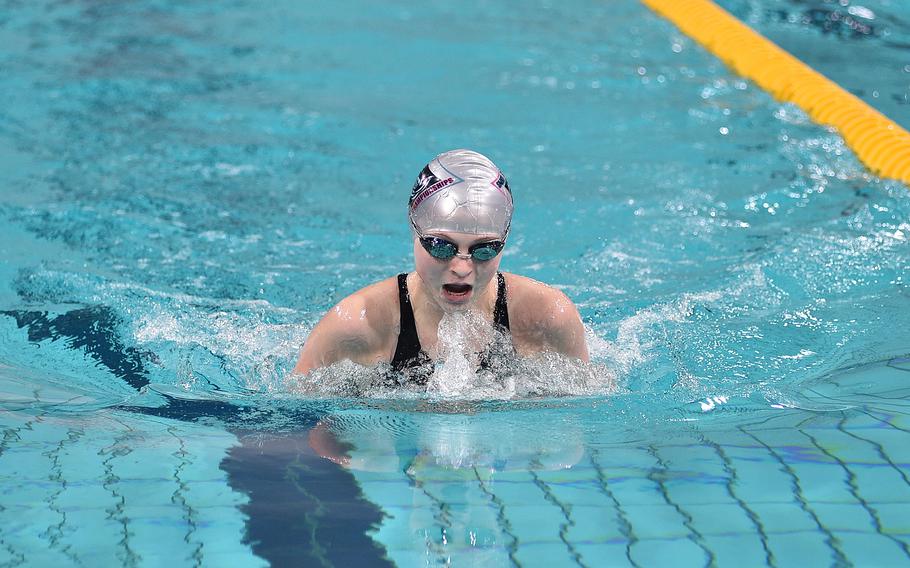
(461, 266)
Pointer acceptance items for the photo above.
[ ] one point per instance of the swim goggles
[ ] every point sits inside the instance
(442, 249)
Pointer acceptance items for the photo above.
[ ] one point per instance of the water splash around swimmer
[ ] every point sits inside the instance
(474, 362)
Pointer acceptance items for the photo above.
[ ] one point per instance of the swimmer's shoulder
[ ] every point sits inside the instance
(543, 317)
(531, 296)
(372, 310)
(358, 328)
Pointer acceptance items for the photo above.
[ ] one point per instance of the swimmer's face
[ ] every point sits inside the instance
(456, 283)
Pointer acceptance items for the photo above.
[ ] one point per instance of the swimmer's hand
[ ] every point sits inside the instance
(327, 446)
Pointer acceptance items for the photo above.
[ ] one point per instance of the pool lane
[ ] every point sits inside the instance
(840, 40)
(879, 142)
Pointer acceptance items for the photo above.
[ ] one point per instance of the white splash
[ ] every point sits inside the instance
(462, 337)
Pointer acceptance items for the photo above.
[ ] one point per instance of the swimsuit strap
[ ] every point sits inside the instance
(408, 351)
(501, 311)
(408, 343)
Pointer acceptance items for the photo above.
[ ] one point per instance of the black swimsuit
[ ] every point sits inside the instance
(409, 358)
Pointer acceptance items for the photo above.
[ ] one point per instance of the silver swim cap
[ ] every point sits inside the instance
(461, 191)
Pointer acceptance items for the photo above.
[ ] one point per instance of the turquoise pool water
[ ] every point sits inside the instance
(187, 187)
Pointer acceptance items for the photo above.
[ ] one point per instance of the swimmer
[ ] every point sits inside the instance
(460, 212)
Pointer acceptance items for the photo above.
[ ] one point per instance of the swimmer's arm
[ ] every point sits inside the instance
(564, 332)
(341, 334)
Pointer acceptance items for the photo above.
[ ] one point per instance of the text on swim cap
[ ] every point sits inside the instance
(426, 185)
(431, 190)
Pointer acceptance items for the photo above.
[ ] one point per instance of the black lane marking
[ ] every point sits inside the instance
(304, 510)
(566, 513)
(730, 484)
(501, 518)
(657, 476)
(625, 527)
(838, 556)
(92, 329)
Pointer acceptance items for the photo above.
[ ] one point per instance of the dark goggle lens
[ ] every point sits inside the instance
(486, 251)
(439, 248)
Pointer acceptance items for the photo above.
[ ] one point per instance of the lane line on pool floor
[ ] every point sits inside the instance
(880, 143)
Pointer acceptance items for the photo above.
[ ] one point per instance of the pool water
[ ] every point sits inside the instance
(187, 187)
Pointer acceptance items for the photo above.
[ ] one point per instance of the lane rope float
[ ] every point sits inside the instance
(879, 143)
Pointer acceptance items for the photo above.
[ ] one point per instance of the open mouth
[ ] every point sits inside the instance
(456, 291)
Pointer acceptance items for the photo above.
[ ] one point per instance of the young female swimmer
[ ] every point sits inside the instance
(460, 212)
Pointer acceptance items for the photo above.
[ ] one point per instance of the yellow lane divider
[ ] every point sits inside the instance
(881, 144)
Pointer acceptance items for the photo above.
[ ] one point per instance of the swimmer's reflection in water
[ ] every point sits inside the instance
(447, 469)
(457, 440)
(460, 212)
